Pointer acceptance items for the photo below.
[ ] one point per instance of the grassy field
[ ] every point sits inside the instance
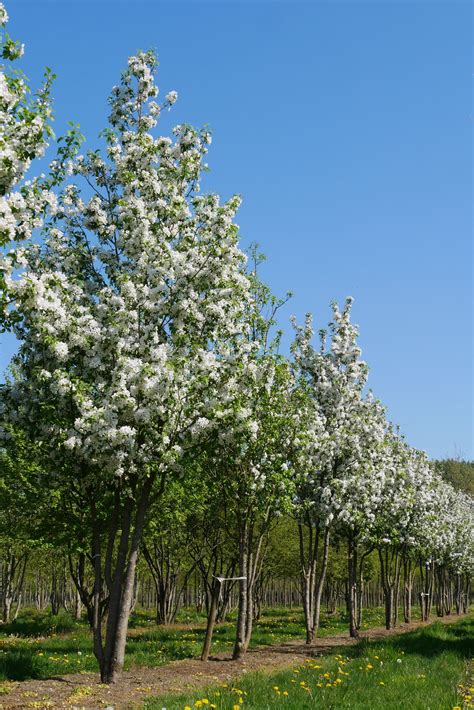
(40, 645)
(428, 669)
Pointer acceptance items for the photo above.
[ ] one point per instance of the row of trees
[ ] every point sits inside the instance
(149, 397)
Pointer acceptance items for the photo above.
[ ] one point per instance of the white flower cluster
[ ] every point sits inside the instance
(24, 130)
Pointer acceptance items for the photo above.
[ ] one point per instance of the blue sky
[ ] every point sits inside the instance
(346, 126)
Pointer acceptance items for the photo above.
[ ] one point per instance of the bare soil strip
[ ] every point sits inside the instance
(83, 691)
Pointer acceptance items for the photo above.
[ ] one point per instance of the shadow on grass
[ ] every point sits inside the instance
(428, 641)
(34, 624)
(20, 665)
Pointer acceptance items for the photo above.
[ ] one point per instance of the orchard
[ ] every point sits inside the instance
(161, 456)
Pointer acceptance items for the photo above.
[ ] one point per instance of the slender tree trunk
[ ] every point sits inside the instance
(121, 596)
(360, 586)
(77, 606)
(458, 594)
(396, 599)
(440, 590)
(308, 576)
(13, 576)
(352, 584)
(6, 608)
(426, 579)
(321, 581)
(118, 575)
(249, 612)
(211, 620)
(466, 600)
(408, 586)
(390, 564)
(18, 606)
(239, 647)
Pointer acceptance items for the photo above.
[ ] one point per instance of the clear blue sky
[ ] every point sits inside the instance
(346, 127)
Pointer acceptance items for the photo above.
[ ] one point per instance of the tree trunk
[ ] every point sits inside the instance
(119, 576)
(308, 576)
(320, 582)
(13, 576)
(77, 606)
(408, 585)
(426, 579)
(211, 620)
(239, 647)
(352, 585)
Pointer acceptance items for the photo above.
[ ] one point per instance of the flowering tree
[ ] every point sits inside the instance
(405, 494)
(443, 545)
(249, 455)
(125, 315)
(24, 131)
(342, 486)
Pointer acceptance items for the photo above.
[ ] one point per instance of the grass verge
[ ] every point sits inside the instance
(427, 669)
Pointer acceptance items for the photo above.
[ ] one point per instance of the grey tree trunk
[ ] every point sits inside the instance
(77, 606)
(114, 577)
(308, 560)
(239, 647)
(390, 561)
(13, 576)
(408, 573)
(250, 560)
(211, 620)
(352, 585)
(320, 582)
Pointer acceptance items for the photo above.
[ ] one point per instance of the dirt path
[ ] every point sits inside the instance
(83, 691)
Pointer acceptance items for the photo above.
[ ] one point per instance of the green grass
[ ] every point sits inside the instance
(421, 670)
(43, 646)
